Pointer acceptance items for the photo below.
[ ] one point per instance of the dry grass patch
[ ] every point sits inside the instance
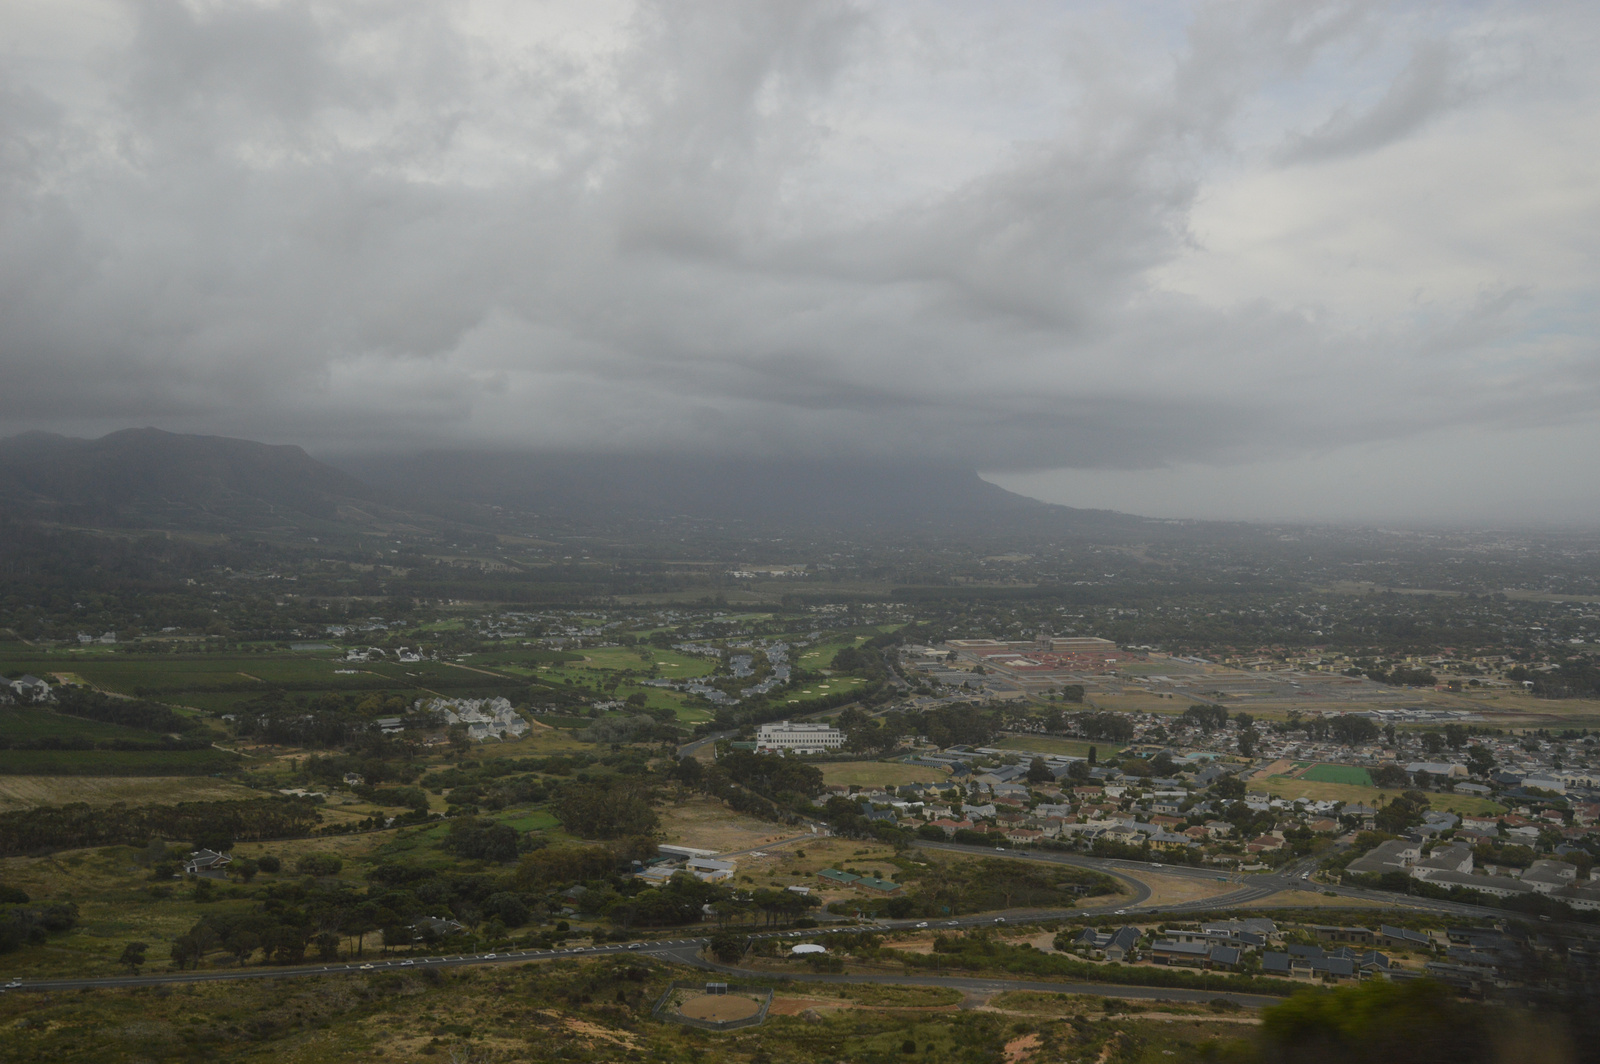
(1135, 702)
(709, 825)
(28, 792)
(1296, 899)
(1349, 792)
(1174, 890)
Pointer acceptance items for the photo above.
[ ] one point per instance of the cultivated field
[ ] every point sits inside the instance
(115, 762)
(23, 792)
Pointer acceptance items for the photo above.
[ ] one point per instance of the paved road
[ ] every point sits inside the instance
(688, 749)
(688, 950)
(765, 846)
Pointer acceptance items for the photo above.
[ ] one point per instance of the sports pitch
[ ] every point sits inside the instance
(1352, 774)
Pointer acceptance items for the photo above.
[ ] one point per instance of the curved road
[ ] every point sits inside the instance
(687, 951)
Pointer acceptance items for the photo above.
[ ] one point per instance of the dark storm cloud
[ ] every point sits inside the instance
(800, 226)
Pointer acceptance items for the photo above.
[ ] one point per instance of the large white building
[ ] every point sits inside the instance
(786, 738)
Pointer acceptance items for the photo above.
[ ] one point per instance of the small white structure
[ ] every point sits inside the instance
(807, 949)
(785, 737)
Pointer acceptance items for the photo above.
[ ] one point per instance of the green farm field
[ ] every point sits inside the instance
(25, 723)
(116, 762)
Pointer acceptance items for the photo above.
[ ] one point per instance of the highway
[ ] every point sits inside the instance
(688, 951)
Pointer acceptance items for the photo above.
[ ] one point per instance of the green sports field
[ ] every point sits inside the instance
(1338, 774)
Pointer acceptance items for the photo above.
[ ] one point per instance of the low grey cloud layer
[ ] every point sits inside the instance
(1019, 236)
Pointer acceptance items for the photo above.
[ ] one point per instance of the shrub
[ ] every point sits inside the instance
(318, 864)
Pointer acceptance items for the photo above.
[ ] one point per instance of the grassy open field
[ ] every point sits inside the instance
(1135, 702)
(878, 773)
(1176, 890)
(1338, 774)
(1049, 744)
(539, 820)
(24, 792)
(709, 825)
(832, 686)
(1286, 787)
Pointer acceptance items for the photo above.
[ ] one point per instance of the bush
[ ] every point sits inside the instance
(318, 864)
(269, 863)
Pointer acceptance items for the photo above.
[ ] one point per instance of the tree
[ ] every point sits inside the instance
(133, 956)
(1433, 743)
(727, 946)
(1480, 761)
(1078, 771)
(1350, 729)
(687, 771)
(1229, 787)
(318, 864)
(242, 944)
(1247, 742)
(607, 810)
(1379, 1021)
(1039, 772)
(1390, 775)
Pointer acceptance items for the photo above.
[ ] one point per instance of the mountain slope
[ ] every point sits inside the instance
(619, 490)
(146, 476)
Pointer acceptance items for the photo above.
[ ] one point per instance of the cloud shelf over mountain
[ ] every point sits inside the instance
(1139, 248)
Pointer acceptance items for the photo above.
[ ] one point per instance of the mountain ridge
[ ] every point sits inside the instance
(146, 476)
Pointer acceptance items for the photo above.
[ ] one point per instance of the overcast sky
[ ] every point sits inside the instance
(1249, 259)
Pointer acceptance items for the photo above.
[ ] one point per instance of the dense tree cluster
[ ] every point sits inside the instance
(22, 925)
(77, 701)
(322, 722)
(77, 825)
(613, 808)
